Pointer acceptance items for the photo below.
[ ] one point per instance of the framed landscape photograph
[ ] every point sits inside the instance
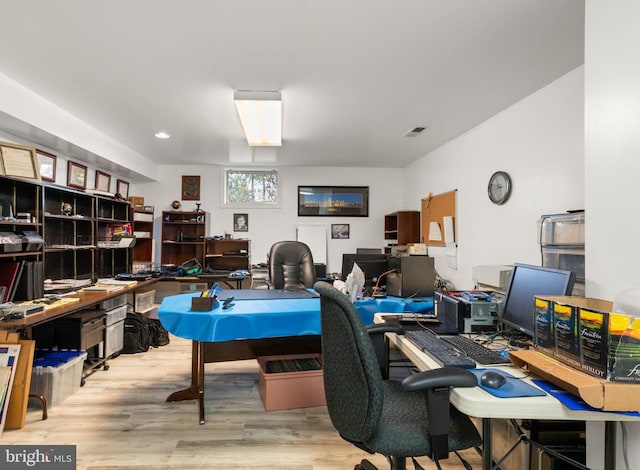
(103, 181)
(47, 163)
(328, 201)
(340, 231)
(122, 188)
(20, 161)
(76, 175)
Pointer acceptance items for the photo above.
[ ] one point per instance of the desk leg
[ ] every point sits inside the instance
(487, 461)
(610, 430)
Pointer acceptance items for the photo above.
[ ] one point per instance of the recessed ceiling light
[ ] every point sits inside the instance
(162, 135)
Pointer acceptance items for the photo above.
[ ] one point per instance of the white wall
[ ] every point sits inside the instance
(612, 170)
(267, 226)
(539, 142)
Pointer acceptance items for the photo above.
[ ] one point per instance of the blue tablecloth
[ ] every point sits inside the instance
(256, 319)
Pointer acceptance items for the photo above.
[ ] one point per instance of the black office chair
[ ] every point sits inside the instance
(291, 266)
(411, 418)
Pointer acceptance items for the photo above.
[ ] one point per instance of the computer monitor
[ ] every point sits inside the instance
(372, 265)
(526, 282)
(368, 251)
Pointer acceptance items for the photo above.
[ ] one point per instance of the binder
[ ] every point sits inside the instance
(8, 276)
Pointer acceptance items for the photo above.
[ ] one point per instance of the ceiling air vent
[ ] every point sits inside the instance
(415, 131)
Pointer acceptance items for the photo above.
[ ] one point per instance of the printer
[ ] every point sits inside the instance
(31, 241)
(10, 242)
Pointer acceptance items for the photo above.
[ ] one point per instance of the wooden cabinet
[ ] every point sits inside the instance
(402, 227)
(69, 234)
(113, 229)
(183, 237)
(227, 255)
(142, 253)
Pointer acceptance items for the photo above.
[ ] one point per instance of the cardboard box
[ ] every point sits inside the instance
(601, 394)
(137, 202)
(288, 390)
(590, 337)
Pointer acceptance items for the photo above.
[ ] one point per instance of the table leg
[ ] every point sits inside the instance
(487, 461)
(191, 392)
(196, 390)
(610, 430)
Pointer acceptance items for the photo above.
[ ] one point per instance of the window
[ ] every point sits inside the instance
(257, 188)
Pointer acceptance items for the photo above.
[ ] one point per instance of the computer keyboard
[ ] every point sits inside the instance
(479, 353)
(441, 351)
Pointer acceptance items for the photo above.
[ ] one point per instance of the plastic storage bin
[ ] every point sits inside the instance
(144, 301)
(57, 374)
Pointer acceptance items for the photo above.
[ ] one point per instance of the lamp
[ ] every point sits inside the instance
(261, 116)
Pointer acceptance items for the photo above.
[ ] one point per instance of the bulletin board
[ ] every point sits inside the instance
(434, 209)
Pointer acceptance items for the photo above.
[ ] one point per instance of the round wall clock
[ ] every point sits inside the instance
(499, 188)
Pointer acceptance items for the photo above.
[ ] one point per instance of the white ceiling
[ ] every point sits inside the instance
(355, 75)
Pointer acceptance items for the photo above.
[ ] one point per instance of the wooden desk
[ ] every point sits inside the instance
(86, 299)
(478, 403)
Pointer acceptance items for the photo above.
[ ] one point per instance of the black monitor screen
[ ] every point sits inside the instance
(372, 265)
(526, 282)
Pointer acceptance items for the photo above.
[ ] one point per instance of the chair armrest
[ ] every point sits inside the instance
(442, 377)
(382, 328)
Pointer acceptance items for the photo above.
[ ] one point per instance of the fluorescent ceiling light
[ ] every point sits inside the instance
(261, 116)
(162, 135)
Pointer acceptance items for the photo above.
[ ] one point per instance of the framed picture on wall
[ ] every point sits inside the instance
(47, 163)
(333, 201)
(190, 188)
(240, 222)
(103, 181)
(76, 175)
(122, 188)
(340, 231)
(18, 160)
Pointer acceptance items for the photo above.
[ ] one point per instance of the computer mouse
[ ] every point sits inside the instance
(491, 379)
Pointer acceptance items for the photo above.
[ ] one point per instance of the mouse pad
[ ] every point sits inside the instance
(513, 387)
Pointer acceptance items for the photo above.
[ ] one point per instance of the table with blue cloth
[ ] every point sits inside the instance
(258, 323)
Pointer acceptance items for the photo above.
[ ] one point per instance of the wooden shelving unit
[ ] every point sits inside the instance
(21, 197)
(142, 252)
(112, 217)
(402, 227)
(183, 237)
(228, 255)
(69, 226)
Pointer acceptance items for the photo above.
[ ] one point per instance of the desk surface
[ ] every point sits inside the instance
(269, 316)
(85, 299)
(476, 402)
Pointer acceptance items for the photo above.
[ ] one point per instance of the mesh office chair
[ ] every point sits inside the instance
(411, 418)
(291, 265)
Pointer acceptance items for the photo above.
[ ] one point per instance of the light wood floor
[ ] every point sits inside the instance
(120, 420)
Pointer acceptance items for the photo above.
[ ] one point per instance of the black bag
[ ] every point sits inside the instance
(158, 336)
(136, 334)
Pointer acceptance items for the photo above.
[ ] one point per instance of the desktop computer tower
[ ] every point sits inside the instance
(414, 277)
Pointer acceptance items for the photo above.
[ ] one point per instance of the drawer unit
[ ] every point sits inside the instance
(113, 339)
(81, 330)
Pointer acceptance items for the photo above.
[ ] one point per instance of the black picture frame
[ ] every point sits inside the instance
(333, 201)
(340, 231)
(240, 222)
